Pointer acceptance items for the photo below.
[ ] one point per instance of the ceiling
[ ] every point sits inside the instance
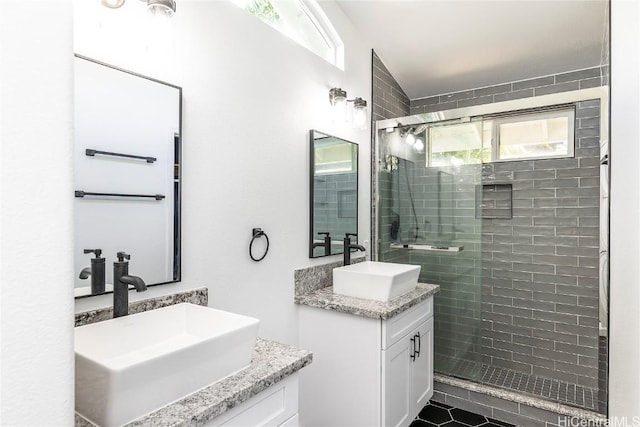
(433, 47)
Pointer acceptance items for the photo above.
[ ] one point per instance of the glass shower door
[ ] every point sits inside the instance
(426, 200)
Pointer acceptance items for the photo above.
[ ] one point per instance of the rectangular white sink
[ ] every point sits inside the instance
(380, 281)
(132, 365)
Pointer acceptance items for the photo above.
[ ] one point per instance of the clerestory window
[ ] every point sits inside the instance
(302, 21)
(514, 136)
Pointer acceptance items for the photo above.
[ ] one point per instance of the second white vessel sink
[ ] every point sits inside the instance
(132, 365)
(380, 281)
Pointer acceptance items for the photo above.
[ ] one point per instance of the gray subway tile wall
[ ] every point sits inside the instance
(388, 98)
(335, 206)
(579, 79)
(529, 284)
(388, 101)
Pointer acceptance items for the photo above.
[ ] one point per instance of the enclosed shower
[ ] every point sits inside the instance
(505, 207)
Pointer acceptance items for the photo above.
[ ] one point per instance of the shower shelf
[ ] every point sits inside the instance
(437, 248)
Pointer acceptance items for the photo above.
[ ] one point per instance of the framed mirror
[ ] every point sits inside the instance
(126, 174)
(334, 193)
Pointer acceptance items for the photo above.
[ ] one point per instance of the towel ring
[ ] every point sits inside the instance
(256, 233)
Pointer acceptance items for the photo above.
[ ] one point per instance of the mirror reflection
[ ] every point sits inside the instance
(334, 193)
(126, 176)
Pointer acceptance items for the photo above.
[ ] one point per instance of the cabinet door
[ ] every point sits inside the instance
(269, 408)
(422, 387)
(396, 383)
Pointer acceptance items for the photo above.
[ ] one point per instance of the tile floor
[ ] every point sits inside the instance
(439, 414)
(551, 389)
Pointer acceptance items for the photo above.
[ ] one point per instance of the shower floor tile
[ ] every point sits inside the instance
(547, 388)
(439, 414)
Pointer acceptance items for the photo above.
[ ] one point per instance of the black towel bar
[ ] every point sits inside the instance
(91, 152)
(80, 193)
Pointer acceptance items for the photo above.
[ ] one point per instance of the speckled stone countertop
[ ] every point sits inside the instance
(195, 296)
(272, 361)
(325, 298)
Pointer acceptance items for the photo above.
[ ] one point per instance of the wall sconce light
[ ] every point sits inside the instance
(161, 7)
(155, 7)
(409, 135)
(339, 101)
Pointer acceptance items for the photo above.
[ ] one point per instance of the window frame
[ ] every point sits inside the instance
(319, 21)
(566, 111)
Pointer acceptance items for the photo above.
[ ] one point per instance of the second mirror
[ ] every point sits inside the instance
(334, 193)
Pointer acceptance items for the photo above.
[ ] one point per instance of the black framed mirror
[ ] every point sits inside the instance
(334, 193)
(127, 176)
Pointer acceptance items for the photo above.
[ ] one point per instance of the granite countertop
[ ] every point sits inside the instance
(325, 298)
(272, 361)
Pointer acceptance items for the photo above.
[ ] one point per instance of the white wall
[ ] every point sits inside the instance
(36, 321)
(250, 96)
(624, 361)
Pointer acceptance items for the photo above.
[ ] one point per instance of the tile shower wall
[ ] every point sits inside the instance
(539, 312)
(574, 80)
(388, 101)
(335, 205)
(540, 268)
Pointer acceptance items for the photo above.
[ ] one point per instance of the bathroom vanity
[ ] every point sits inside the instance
(373, 361)
(264, 393)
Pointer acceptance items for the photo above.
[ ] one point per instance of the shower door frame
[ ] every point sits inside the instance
(600, 92)
(466, 113)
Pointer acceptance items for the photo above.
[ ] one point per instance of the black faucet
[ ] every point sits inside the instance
(96, 271)
(326, 242)
(121, 282)
(348, 246)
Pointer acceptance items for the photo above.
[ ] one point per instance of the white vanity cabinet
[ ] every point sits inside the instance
(365, 371)
(277, 406)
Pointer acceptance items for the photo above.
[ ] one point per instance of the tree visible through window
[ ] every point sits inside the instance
(302, 21)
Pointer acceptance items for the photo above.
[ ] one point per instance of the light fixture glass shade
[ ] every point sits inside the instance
(410, 139)
(337, 96)
(359, 113)
(112, 4)
(338, 99)
(161, 7)
(419, 145)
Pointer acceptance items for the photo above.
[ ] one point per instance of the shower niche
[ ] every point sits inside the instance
(494, 201)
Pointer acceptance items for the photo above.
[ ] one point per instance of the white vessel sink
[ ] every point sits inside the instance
(136, 364)
(380, 281)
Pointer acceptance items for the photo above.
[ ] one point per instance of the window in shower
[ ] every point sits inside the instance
(533, 136)
(515, 136)
(458, 144)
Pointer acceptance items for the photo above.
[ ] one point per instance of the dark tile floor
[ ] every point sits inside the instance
(439, 414)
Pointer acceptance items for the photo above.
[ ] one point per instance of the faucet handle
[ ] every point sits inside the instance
(97, 252)
(326, 233)
(122, 256)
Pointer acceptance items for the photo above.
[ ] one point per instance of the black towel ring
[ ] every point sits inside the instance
(257, 232)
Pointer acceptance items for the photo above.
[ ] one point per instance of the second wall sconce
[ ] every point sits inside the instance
(339, 101)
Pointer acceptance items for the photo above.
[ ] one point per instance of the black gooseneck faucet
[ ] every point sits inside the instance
(96, 271)
(326, 242)
(121, 282)
(348, 246)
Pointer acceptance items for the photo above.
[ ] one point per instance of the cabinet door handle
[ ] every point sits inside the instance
(419, 344)
(413, 354)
